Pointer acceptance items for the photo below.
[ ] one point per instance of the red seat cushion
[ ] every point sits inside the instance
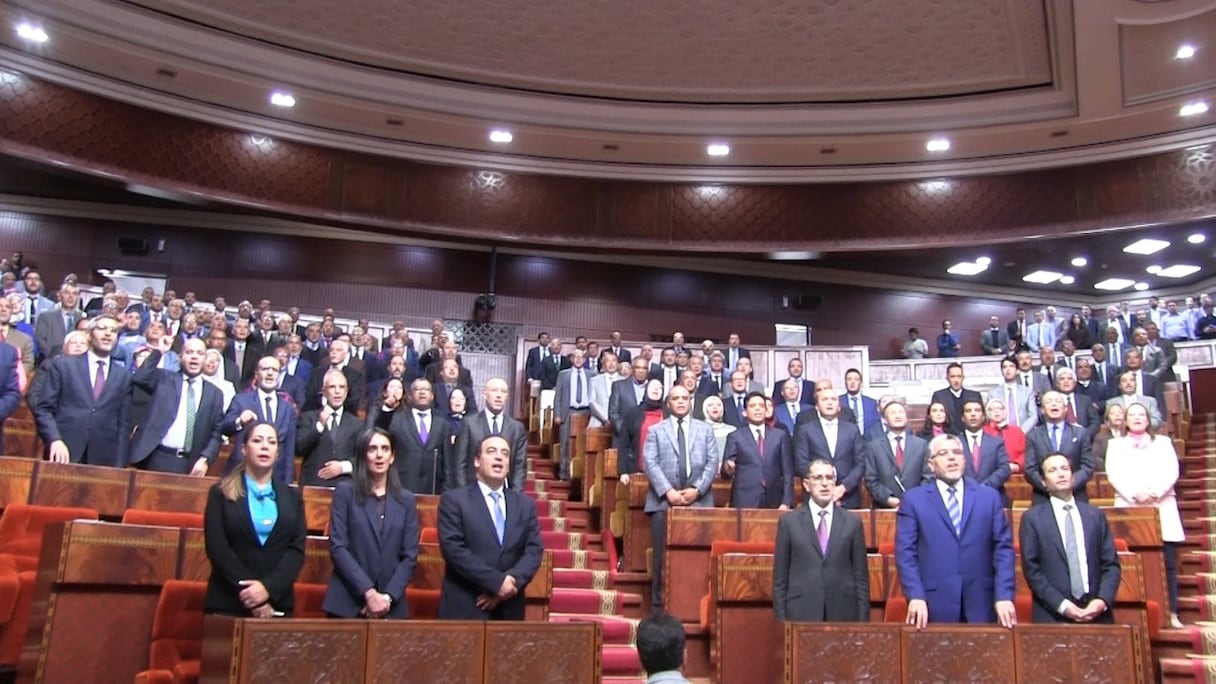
(895, 610)
(139, 516)
(177, 628)
(423, 603)
(21, 526)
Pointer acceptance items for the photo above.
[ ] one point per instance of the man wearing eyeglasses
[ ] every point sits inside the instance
(264, 403)
(953, 546)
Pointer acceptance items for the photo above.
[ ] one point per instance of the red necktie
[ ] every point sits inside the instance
(99, 380)
(899, 451)
(1072, 414)
(975, 452)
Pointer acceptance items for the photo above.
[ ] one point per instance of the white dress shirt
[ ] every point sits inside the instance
(489, 502)
(829, 433)
(942, 490)
(1057, 507)
(175, 436)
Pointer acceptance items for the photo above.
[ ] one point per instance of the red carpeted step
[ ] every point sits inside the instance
(551, 509)
(548, 524)
(590, 560)
(619, 631)
(620, 660)
(587, 601)
(571, 578)
(573, 541)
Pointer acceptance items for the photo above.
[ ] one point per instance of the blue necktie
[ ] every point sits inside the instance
(500, 519)
(1055, 437)
(955, 510)
(1076, 584)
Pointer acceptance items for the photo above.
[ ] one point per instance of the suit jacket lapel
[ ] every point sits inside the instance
(811, 531)
(836, 530)
(1048, 519)
(968, 504)
(373, 519)
(935, 494)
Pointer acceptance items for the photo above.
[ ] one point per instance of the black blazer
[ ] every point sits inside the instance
(329, 445)
(1075, 443)
(473, 430)
(1045, 562)
(475, 563)
(355, 388)
(810, 443)
(954, 407)
(368, 553)
(167, 388)
(422, 467)
(811, 587)
(96, 431)
(236, 554)
(549, 368)
(760, 481)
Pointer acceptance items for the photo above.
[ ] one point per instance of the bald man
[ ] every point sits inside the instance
(491, 420)
(182, 431)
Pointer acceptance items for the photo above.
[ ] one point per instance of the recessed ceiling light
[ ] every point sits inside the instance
(938, 145)
(1067, 280)
(281, 99)
(1080, 262)
(717, 149)
(1193, 109)
(1196, 238)
(792, 256)
(1042, 277)
(967, 268)
(500, 135)
(34, 34)
(1146, 246)
(983, 261)
(1178, 271)
(1114, 284)
(1185, 51)
(1153, 270)
(1140, 287)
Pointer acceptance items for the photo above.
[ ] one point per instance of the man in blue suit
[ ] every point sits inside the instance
(83, 409)
(489, 536)
(10, 389)
(262, 403)
(177, 437)
(804, 390)
(1055, 435)
(293, 386)
(832, 438)
(953, 546)
(786, 407)
(681, 460)
(864, 409)
(989, 463)
(1065, 587)
(760, 460)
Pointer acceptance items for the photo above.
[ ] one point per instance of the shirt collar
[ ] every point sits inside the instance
(815, 509)
(942, 487)
(1058, 505)
(485, 489)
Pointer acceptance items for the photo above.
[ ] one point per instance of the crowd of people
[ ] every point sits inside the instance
(161, 382)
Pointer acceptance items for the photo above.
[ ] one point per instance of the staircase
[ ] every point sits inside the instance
(1189, 654)
(584, 571)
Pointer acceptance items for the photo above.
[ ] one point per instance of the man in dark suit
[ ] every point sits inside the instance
(667, 371)
(734, 400)
(573, 395)
(450, 356)
(953, 546)
(264, 404)
(450, 381)
(243, 352)
(536, 355)
(491, 421)
(864, 409)
(1106, 370)
(339, 359)
(820, 570)
(954, 396)
(987, 459)
(83, 408)
(182, 431)
(1079, 408)
(804, 392)
(1146, 384)
(626, 394)
(1028, 377)
(490, 554)
(760, 461)
(832, 438)
(54, 324)
(994, 340)
(327, 438)
(422, 439)
(552, 365)
(1089, 385)
(1055, 435)
(896, 462)
(10, 388)
(734, 352)
(716, 380)
(293, 386)
(1016, 330)
(680, 457)
(786, 407)
(615, 345)
(1053, 538)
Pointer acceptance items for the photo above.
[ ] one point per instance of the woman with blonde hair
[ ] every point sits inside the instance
(1113, 427)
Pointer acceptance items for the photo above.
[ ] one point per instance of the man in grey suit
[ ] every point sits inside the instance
(1018, 398)
(491, 420)
(573, 396)
(626, 394)
(820, 570)
(897, 461)
(601, 389)
(1055, 435)
(1167, 356)
(1125, 396)
(681, 459)
(995, 339)
(54, 324)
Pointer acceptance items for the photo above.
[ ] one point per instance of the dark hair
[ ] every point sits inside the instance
(747, 399)
(362, 481)
(660, 643)
(1010, 359)
(1043, 461)
(913, 330)
(853, 370)
(952, 366)
(929, 409)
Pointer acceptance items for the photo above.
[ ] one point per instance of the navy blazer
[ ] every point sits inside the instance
(869, 418)
(285, 418)
(167, 387)
(1045, 562)
(760, 481)
(236, 553)
(10, 389)
(994, 462)
(316, 448)
(960, 577)
(96, 431)
(370, 553)
(294, 387)
(811, 443)
(806, 397)
(475, 563)
(1075, 443)
(954, 407)
(421, 466)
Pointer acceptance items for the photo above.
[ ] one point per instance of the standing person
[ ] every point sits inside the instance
(1081, 585)
(820, 570)
(1143, 469)
(573, 396)
(636, 423)
(837, 440)
(760, 461)
(422, 439)
(953, 546)
(1056, 435)
(489, 536)
(954, 395)
(182, 431)
(254, 531)
(493, 420)
(263, 404)
(896, 462)
(373, 536)
(681, 461)
(328, 437)
(947, 342)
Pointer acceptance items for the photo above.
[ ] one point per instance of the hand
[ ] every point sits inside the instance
(783, 507)
(508, 588)
(325, 415)
(59, 452)
(1143, 498)
(200, 468)
(391, 403)
(330, 470)
(625, 479)
(557, 420)
(375, 603)
(892, 502)
(729, 468)
(1094, 609)
(253, 594)
(918, 613)
(1072, 612)
(264, 612)
(675, 497)
(690, 495)
(1006, 614)
(487, 602)
(838, 493)
(247, 416)
(1014, 468)
(164, 344)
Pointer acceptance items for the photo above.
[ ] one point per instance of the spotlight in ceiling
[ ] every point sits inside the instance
(1196, 238)
(1146, 246)
(1042, 277)
(1067, 280)
(967, 268)
(281, 99)
(938, 145)
(1193, 109)
(501, 135)
(1080, 262)
(983, 261)
(1179, 271)
(1153, 270)
(717, 149)
(1185, 51)
(1140, 287)
(1114, 284)
(34, 34)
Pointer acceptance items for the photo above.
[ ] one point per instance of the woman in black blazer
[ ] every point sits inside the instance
(254, 530)
(373, 536)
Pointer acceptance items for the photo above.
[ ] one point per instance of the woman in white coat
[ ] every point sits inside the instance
(1143, 467)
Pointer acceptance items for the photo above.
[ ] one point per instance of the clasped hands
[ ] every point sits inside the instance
(1092, 610)
(683, 497)
(376, 604)
(918, 613)
(256, 599)
(508, 589)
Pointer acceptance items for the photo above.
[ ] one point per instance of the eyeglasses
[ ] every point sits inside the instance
(821, 478)
(948, 452)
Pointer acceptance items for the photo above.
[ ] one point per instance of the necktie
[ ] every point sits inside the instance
(1076, 583)
(793, 408)
(33, 310)
(822, 529)
(1072, 413)
(333, 421)
(718, 384)
(1010, 407)
(975, 453)
(683, 444)
(760, 449)
(899, 451)
(500, 518)
(191, 414)
(1055, 436)
(955, 510)
(99, 380)
(739, 406)
(269, 411)
(1026, 380)
(578, 387)
(239, 355)
(1102, 372)
(857, 413)
(494, 425)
